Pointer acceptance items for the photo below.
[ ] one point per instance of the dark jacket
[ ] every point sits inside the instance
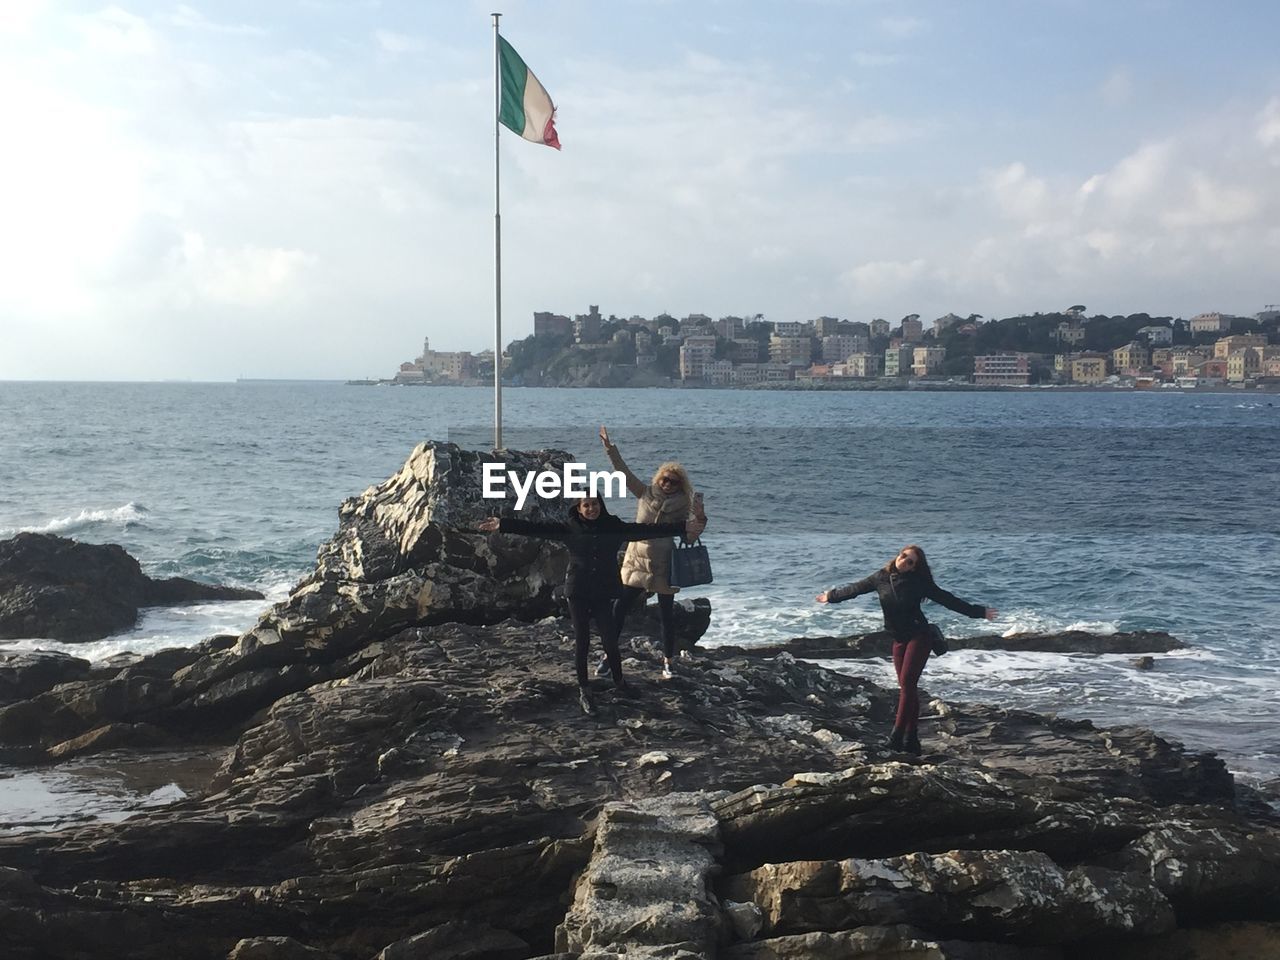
(593, 547)
(900, 597)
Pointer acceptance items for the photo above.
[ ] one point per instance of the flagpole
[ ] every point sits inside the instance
(497, 245)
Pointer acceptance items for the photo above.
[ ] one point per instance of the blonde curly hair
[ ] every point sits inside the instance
(676, 469)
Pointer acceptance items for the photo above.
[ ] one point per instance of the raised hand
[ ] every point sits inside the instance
(822, 597)
(698, 509)
(604, 435)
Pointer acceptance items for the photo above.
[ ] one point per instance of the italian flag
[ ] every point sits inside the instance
(526, 107)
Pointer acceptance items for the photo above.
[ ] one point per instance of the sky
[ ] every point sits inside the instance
(305, 188)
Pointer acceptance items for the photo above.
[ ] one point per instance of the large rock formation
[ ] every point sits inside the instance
(411, 780)
(406, 553)
(447, 792)
(59, 589)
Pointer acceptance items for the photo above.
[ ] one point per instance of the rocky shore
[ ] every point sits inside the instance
(59, 589)
(407, 775)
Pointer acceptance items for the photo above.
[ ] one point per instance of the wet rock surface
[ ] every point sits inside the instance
(24, 674)
(408, 777)
(449, 777)
(59, 589)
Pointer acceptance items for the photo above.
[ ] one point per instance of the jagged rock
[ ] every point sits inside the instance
(646, 891)
(1009, 896)
(108, 737)
(880, 644)
(692, 619)
(1142, 763)
(1219, 941)
(446, 774)
(746, 918)
(25, 674)
(1209, 869)
(275, 948)
(980, 805)
(898, 942)
(458, 941)
(406, 553)
(60, 589)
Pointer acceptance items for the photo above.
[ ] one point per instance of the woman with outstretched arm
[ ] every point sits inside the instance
(902, 584)
(593, 537)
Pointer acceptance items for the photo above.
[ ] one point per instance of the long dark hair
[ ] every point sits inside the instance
(574, 513)
(922, 563)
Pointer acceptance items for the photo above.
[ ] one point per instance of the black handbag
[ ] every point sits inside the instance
(937, 642)
(690, 565)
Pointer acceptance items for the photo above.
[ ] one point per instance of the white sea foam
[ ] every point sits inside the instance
(124, 517)
(1032, 621)
(161, 628)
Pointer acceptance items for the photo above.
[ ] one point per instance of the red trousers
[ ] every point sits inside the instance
(908, 663)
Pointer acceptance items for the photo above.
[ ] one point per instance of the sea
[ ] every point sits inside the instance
(1099, 511)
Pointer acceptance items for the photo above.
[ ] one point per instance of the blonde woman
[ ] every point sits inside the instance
(646, 568)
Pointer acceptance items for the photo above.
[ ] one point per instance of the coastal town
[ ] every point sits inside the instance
(1067, 348)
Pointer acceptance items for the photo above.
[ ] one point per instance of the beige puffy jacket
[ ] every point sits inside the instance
(647, 563)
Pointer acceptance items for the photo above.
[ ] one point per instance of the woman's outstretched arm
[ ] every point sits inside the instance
(952, 602)
(652, 531)
(525, 528)
(634, 483)
(848, 591)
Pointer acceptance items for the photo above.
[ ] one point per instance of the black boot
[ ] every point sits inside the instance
(586, 702)
(895, 739)
(913, 742)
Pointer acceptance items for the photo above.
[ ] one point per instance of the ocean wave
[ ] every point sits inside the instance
(126, 517)
(1034, 622)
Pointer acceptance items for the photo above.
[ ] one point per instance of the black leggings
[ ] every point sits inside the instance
(581, 610)
(666, 614)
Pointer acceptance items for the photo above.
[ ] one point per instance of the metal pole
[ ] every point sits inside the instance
(497, 244)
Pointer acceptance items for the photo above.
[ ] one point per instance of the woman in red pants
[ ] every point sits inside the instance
(902, 584)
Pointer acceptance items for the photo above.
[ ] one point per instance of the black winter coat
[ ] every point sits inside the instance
(900, 597)
(593, 548)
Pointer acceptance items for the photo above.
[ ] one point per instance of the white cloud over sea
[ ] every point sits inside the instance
(209, 191)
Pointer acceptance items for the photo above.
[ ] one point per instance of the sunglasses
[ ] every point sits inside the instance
(669, 480)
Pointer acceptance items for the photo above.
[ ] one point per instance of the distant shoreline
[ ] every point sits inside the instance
(915, 386)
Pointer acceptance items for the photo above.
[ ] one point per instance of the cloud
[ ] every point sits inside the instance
(268, 198)
(1206, 202)
(117, 31)
(903, 27)
(885, 278)
(1134, 181)
(397, 43)
(1116, 89)
(189, 18)
(1017, 193)
(248, 276)
(70, 189)
(18, 16)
